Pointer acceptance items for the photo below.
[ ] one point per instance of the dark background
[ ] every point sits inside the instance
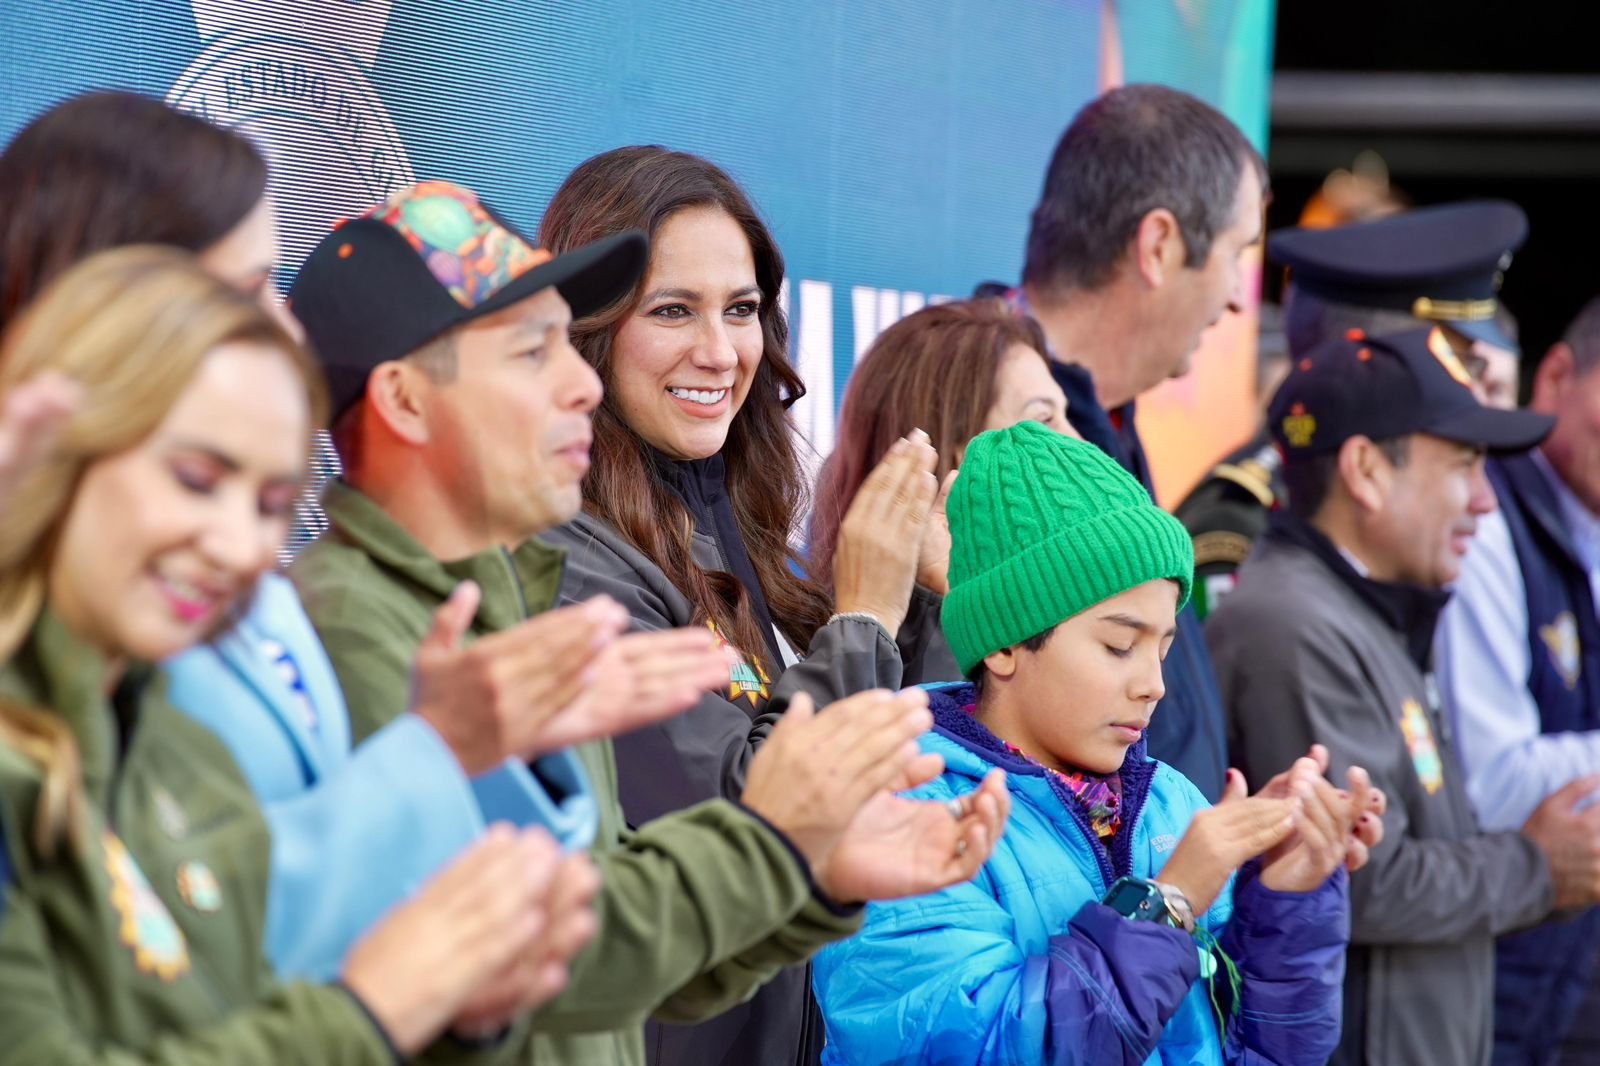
(1545, 159)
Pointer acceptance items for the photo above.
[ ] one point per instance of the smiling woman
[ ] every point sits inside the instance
(136, 861)
(694, 495)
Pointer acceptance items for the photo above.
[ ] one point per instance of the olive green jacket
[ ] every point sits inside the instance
(698, 909)
(141, 940)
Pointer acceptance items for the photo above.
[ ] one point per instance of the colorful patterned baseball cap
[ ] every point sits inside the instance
(432, 257)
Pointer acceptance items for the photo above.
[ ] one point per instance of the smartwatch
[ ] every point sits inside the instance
(1139, 900)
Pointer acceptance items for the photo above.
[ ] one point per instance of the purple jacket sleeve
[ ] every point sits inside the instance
(1112, 985)
(1290, 951)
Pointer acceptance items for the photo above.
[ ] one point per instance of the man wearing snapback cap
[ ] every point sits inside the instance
(1433, 266)
(461, 413)
(1327, 639)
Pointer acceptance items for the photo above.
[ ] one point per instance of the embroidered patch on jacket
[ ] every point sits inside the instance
(1561, 638)
(749, 680)
(198, 887)
(1419, 741)
(147, 929)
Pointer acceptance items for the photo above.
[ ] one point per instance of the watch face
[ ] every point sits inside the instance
(1138, 900)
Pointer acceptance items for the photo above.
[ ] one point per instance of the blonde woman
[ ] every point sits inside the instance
(133, 859)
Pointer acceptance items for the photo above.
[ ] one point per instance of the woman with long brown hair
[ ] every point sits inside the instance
(693, 501)
(133, 859)
(952, 370)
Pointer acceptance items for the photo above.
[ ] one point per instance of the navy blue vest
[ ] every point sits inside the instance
(1542, 974)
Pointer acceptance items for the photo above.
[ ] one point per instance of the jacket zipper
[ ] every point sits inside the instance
(516, 582)
(1136, 787)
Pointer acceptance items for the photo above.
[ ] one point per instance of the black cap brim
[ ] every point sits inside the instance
(589, 278)
(1493, 429)
(365, 297)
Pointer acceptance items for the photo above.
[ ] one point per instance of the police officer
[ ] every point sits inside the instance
(1328, 640)
(1435, 265)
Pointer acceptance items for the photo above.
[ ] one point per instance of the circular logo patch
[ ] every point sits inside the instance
(198, 887)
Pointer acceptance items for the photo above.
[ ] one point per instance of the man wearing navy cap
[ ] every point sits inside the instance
(1328, 639)
(1519, 670)
(1435, 265)
(1440, 265)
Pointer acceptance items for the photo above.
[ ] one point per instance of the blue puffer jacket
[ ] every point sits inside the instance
(1024, 965)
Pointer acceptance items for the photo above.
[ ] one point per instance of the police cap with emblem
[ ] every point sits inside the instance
(1440, 264)
(1387, 387)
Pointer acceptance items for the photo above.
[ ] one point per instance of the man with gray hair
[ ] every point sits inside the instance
(1135, 250)
(1518, 656)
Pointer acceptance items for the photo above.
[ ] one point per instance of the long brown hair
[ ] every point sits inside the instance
(934, 370)
(640, 188)
(111, 168)
(132, 326)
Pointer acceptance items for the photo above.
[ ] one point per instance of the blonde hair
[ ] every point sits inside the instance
(132, 326)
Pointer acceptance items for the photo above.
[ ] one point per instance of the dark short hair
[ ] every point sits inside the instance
(111, 168)
(1582, 335)
(1034, 643)
(1132, 151)
(1307, 478)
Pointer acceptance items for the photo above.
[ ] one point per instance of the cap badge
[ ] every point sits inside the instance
(1299, 427)
(1439, 346)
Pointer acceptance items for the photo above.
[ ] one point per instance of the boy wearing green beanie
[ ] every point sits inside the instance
(1108, 926)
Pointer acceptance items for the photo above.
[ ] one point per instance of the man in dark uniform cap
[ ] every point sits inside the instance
(1435, 265)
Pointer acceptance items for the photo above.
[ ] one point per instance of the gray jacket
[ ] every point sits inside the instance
(1302, 657)
(704, 753)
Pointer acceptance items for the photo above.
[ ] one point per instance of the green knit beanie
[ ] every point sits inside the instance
(1043, 527)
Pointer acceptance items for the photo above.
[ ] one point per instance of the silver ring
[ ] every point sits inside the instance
(961, 847)
(957, 807)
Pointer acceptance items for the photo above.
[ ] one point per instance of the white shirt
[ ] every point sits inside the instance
(1481, 662)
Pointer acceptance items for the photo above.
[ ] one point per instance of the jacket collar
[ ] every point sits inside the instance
(57, 671)
(276, 618)
(702, 486)
(699, 483)
(1550, 503)
(1410, 610)
(949, 706)
(516, 584)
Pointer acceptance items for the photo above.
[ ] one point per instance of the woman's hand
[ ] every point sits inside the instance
(423, 964)
(1223, 838)
(32, 415)
(877, 560)
(933, 560)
